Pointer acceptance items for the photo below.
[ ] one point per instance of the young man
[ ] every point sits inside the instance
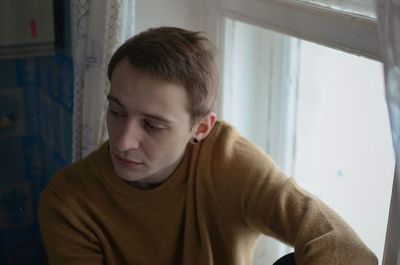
(174, 186)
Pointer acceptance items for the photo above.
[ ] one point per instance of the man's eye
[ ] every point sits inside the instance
(115, 113)
(152, 128)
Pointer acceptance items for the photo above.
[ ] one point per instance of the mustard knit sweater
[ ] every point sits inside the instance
(222, 196)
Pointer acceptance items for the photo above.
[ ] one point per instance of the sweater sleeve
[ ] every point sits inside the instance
(266, 200)
(67, 240)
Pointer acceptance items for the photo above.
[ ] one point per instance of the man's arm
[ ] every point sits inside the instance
(261, 196)
(67, 240)
(317, 233)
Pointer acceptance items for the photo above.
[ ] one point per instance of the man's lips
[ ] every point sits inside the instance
(127, 162)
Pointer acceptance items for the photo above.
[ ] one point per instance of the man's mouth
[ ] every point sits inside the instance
(128, 162)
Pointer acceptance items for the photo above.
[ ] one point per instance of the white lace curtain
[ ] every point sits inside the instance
(389, 31)
(98, 28)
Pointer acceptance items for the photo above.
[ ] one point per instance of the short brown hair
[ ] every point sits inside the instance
(176, 55)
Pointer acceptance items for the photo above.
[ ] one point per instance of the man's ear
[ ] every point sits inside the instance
(203, 127)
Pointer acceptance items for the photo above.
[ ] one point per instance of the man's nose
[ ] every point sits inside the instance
(129, 137)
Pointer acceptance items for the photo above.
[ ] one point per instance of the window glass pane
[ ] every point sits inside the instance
(344, 153)
(342, 150)
(360, 7)
(252, 90)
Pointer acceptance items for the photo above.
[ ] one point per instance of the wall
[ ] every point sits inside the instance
(36, 95)
(179, 13)
(199, 15)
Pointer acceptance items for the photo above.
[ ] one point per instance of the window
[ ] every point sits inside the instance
(343, 150)
(326, 24)
(357, 7)
(321, 114)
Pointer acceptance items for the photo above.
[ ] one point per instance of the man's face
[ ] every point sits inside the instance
(148, 125)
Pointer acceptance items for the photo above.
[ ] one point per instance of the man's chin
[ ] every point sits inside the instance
(130, 177)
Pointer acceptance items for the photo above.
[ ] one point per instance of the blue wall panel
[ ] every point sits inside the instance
(36, 103)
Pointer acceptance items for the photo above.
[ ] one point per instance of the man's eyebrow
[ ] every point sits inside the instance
(158, 118)
(148, 115)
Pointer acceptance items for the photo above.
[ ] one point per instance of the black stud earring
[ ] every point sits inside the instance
(194, 141)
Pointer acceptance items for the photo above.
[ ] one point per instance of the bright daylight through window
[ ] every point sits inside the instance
(335, 128)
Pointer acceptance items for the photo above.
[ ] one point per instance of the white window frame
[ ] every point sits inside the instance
(340, 30)
(277, 123)
(351, 33)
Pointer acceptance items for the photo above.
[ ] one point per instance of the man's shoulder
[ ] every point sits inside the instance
(229, 147)
(230, 158)
(237, 167)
